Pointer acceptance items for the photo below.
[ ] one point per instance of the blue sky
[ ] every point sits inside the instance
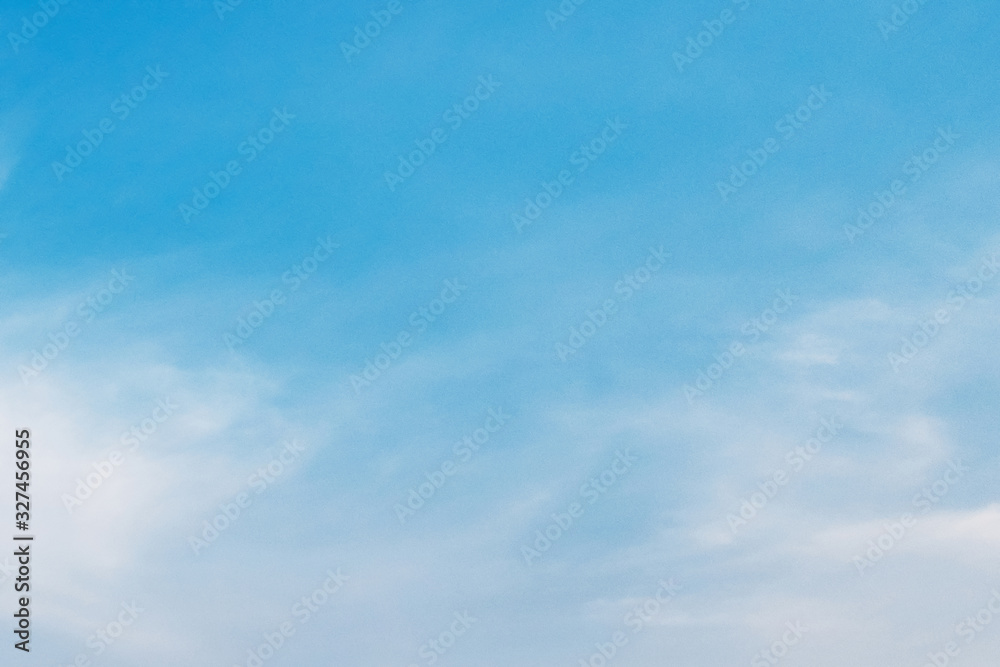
(711, 336)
